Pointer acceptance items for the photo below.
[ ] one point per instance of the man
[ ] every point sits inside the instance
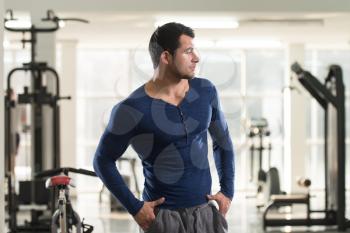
(166, 122)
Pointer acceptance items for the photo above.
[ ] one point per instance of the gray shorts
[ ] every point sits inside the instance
(199, 219)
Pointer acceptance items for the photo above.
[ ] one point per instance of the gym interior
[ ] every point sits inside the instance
(282, 71)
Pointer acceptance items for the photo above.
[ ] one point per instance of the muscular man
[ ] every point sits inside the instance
(166, 122)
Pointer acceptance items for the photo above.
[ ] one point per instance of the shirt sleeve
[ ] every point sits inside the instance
(115, 140)
(222, 147)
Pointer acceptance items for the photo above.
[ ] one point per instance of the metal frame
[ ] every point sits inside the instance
(326, 97)
(38, 98)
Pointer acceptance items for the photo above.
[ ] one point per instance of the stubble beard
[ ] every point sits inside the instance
(187, 77)
(178, 73)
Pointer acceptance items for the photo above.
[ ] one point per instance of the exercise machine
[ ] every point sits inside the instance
(330, 96)
(259, 143)
(65, 219)
(266, 177)
(43, 96)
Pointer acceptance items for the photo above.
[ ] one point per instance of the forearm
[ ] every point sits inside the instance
(224, 161)
(106, 169)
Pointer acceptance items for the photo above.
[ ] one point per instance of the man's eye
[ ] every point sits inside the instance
(188, 51)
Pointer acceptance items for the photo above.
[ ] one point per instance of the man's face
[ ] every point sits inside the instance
(185, 58)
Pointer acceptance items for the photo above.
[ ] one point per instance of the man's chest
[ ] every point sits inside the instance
(168, 122)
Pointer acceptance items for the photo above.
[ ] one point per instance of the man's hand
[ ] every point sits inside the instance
(223, 202)
(146, 216)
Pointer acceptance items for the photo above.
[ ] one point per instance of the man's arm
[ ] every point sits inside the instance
(223, 153)
(121, 129)
(113, 143)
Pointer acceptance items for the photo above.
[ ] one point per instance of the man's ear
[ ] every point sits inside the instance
(165, 57)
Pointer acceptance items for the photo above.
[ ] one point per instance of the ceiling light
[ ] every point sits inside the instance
(200, 22)
(18, 24)
(249, 43)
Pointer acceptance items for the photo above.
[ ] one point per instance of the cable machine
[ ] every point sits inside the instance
(331, 97)
(259, 142)
(44, 104)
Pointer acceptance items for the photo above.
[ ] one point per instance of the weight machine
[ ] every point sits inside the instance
(331, 97)
(259, 141)
(43, 100)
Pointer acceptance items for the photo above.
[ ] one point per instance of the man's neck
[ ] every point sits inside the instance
(168, 85)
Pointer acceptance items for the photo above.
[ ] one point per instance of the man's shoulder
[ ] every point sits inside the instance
(202, 83)
(134, 101)
(137, 97)
(125, 112)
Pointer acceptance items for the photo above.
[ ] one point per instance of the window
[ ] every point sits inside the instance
(317, 62)
(106, 76)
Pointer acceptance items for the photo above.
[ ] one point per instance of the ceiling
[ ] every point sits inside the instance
(135, 28)
(113, 25)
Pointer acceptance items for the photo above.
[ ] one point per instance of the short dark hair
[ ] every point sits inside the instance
(166, 38)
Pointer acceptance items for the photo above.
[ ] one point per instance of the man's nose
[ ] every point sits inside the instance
(196, 56)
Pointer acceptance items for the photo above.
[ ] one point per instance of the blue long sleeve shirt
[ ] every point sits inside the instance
(172, 144)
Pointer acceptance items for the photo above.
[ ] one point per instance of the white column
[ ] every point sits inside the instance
(68, 107)
(46, 42)
(2, 150)
(295, 124)
(46, 52)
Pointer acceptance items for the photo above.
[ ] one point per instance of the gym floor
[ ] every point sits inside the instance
(243, 217)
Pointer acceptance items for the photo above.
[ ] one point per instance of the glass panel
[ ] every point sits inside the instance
(239, 169)
(141, 67)
(308, 60)
(315, 166)
(14, 58)
(22, 56)
(102, 71)
(325, 58)
(232, 108)
(94, 118)
(277, 157)
(223, 68)
(320, 113)
(8, 65)
(269, 108)
(265, 71)
(315, 120)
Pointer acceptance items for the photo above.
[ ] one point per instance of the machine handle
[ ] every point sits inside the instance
(64, 170)
(297, 68)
